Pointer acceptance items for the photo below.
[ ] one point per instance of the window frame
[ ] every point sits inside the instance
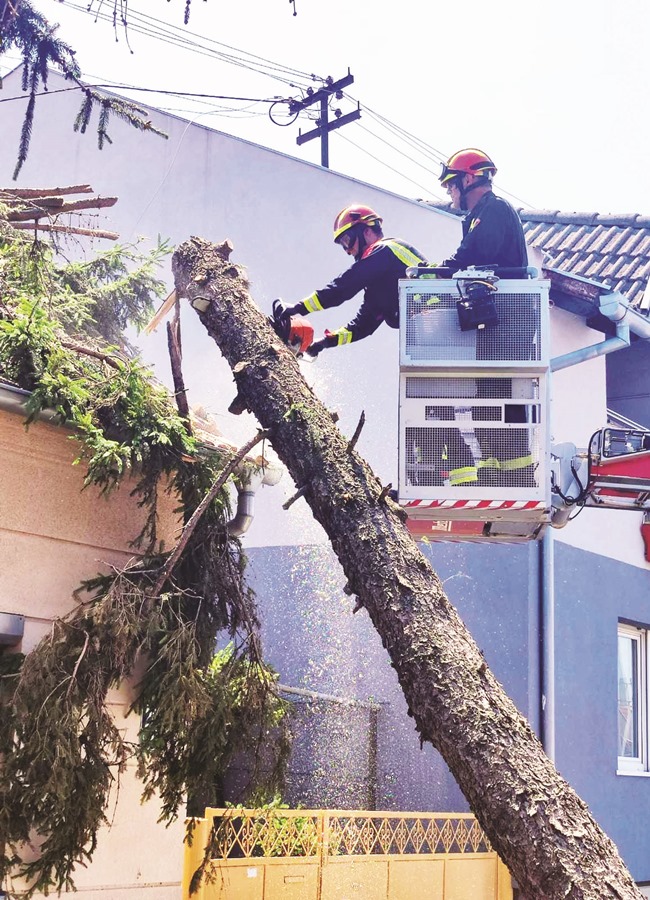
(638, 764)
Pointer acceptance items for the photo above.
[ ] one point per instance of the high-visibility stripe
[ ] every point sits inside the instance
(508, 465)
(490, 463)
(344, 336)
(462, 475)
(402, 253)
(519, 463)
(312, 303)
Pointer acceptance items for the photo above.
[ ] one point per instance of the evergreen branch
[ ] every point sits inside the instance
(62, 752)
(112, 361)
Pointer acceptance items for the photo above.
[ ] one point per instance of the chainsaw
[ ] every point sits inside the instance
(295, 331)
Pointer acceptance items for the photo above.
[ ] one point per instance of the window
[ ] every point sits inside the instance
(633, 646)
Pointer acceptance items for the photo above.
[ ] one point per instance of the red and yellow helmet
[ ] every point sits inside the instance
(354, 215)
(468, 162)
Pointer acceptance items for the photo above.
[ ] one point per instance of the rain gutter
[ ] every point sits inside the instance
(14, 400)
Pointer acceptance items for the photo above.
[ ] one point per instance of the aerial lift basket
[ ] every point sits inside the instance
(473, 424)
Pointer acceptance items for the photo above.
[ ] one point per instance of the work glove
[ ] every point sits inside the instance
(414, 271)
(280, 319)
(282, 313)
(330, 340)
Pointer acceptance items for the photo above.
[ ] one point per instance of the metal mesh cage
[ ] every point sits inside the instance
(430, 328)
(471, 436)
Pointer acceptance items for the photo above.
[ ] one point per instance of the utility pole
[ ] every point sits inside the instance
(324, 126)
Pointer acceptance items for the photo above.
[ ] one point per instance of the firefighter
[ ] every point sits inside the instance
(492, 232)
(378, 265)
(492, 235)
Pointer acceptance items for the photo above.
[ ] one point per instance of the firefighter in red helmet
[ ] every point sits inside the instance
(492, 232)
(492, 236)
(378, 265)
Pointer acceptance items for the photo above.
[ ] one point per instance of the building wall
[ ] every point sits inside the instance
(595, 593)
(313, 639)
(53, 535)
(627, 388)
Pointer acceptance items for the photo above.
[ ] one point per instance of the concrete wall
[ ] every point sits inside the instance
(53, 535)
(312, 638)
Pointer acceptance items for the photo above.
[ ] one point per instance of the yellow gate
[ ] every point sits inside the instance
(302, 854)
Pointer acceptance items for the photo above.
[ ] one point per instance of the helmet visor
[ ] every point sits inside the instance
(448, 174)
(349, 238)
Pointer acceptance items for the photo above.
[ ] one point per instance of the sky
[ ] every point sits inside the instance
(555, 92)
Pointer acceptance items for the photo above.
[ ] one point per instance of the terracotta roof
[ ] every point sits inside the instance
(614, 249)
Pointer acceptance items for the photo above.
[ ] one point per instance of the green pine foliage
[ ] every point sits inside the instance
(62, 753)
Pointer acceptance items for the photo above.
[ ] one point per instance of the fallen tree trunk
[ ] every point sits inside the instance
(539, 826)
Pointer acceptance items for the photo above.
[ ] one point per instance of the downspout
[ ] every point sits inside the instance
(249, 481)
(534, 710)
(617, 309)
(547, 639)
(14, 399)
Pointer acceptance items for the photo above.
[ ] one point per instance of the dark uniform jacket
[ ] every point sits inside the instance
(377, 274)
(492, 233)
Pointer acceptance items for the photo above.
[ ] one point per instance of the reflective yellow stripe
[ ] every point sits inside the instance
(312, 304)
(402, 253)
(344, 336)
(520, 462)
(463, 475)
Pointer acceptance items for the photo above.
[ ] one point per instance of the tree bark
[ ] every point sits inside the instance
(536, 822)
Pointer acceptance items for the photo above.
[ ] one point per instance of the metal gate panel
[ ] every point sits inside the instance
(349, 878)
(414, 879)
(284, 854)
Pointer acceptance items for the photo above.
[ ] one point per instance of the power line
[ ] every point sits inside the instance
(425, 149)
(132, 87)
(140, 23)
(397, 150)
(227, 54)
(382, 163)
(407, 137)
